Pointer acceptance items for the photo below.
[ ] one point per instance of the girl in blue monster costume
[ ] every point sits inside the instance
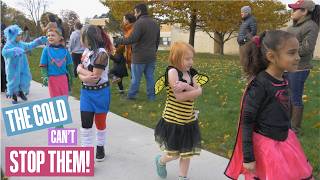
(16, 62)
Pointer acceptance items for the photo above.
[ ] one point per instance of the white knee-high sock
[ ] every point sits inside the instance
(101, 137)
(86, 137)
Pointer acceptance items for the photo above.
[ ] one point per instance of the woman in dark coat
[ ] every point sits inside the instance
(306, 17)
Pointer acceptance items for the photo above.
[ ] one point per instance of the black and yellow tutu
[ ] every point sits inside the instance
(178, 140)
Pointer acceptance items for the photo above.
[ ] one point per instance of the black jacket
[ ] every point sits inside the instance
(248, 29)
(145, 40)
(266, 111)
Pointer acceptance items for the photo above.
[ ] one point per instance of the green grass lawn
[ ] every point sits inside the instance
(219, 104)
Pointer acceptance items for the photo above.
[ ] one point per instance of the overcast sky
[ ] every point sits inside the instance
(84, 8)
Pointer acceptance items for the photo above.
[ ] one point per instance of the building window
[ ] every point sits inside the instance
(166, 41)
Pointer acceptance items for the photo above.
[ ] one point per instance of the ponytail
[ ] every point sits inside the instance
(315, 14)
(106, 39)
(254, 59)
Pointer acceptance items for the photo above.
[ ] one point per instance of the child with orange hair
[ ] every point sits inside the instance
(178, 132)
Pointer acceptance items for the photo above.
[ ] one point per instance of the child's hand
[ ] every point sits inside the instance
(45, 81)
(251, 167)
(199, 88)
(79, 68)
(90, 79)
(42, 40)
(70, 81)
(180, 86)
(70, 75)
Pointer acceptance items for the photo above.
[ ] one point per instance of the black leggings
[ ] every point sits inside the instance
(120, 85)
(3, 75)
(87, 119)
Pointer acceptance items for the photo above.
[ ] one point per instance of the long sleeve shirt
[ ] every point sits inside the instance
(266, 111)
(75, 44)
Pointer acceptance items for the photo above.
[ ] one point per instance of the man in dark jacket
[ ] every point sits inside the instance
(145, 40)
(248, 28)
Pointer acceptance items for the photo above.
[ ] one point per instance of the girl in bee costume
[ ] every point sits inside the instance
(178, 132)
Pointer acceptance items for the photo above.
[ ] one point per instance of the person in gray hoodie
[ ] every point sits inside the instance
(145, 41)
(306, 17)
(75, 47)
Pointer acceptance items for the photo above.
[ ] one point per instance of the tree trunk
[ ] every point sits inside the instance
(39, 30)
(218, 44)
(193, 23)
(222, 48)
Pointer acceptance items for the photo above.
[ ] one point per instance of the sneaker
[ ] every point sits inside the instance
(22, 96)
(115, 79)
(161, 169)
(14, 99)
(100, 155)
(183, 178)
(121, 91)
(131, 98)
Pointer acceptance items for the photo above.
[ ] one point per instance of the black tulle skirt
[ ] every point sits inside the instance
(178, 140)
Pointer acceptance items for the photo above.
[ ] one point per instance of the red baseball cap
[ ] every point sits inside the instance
(303, 4)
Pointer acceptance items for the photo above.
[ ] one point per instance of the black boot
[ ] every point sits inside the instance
(100, 155)
(22, 96)
(296, 118)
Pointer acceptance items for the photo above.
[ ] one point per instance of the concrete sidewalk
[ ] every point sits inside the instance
(130, 148)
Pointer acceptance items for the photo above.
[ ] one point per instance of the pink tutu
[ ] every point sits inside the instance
(274, 160)
(58, 85)
(280, 159)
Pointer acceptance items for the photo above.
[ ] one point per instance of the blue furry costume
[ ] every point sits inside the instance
(16, 61)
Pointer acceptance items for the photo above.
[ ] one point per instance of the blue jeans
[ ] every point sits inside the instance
(296, 84)
(136, 74)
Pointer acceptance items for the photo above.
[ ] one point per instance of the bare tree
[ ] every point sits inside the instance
(35, 9)
(69, 17)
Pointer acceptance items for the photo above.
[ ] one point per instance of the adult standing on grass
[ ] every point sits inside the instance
(75, 46)
(248, 28)
(145, 40)
(128, 22)
(306, 17)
